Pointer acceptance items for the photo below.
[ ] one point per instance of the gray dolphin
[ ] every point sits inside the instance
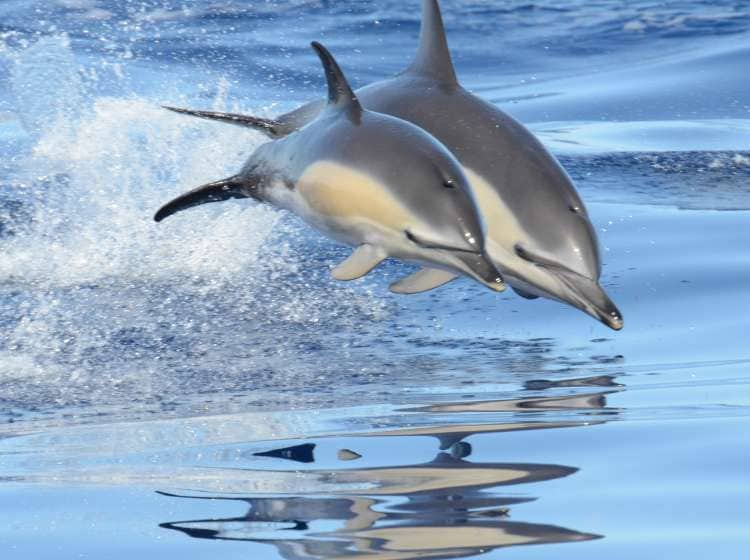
(538, 231)
(372, 181)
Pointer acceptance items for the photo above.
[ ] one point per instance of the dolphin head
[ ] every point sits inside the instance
(555, 252)
(547, 278)
(564, 247)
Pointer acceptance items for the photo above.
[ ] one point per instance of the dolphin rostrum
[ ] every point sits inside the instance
(538, 231)
(372, 181)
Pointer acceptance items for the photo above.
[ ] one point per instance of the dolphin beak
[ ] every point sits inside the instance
(212, 192)
(474, 262)
(590, 297)
(480, 267)
(579, 291)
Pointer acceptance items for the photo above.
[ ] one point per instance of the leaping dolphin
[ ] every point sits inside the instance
(538, 230)
(372, 181)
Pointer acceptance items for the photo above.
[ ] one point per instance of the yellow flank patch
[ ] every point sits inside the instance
(502, 227)
(337, 191)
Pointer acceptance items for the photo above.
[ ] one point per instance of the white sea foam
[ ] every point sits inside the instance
(103, 305)
(98, 170)
(106, 175)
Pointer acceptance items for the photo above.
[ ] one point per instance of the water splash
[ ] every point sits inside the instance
(101, 305)
(96, 186)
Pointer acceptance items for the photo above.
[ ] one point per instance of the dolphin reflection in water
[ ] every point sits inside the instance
(449, 507)
(440, 509)
(446, 508)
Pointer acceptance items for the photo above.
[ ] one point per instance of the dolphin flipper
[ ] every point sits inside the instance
(433, 57)
(424, 280)
(360, 262)
(524, 294)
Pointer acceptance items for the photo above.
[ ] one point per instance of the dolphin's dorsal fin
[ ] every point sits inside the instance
(433, 57)
(340, 94)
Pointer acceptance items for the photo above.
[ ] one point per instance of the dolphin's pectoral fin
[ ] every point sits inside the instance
(423, 280)
(360, 262)
(433, 57)
(233, 187)
(269, 127)
(524, 294)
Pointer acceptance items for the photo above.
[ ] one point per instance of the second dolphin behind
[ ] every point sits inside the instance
(539, 234)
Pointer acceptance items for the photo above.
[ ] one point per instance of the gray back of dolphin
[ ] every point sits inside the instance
(545, 240)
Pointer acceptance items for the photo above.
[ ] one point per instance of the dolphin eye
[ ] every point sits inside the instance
(575, 208)
(449, 184)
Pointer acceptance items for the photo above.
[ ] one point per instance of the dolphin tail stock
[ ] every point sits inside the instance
(433, 58)
(233, 187)
(270, 127)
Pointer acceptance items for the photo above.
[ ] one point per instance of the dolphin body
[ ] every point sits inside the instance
(538, 231)
(372, 181)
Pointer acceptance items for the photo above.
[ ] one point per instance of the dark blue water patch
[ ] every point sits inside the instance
(19, 201)
(268, 43)
(12, 213)
(696, 180)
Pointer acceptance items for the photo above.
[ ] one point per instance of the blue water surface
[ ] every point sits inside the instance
(203, 388)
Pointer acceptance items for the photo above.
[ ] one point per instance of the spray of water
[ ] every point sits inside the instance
(101, 306)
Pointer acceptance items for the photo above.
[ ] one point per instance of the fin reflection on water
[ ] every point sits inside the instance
(449, 436)
(299, 453)
(586, 402)
(453, 536)
(438, 510)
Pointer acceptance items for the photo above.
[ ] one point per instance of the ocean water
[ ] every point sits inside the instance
(202, 388)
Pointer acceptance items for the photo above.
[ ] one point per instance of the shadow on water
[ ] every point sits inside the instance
(448, 507)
